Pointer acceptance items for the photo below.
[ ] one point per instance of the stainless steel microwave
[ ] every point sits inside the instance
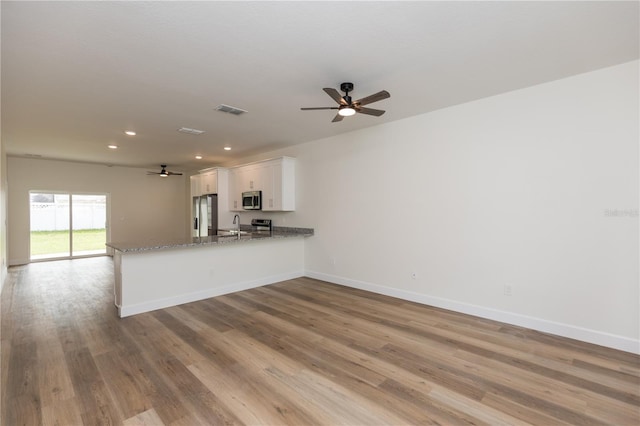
(252, 200)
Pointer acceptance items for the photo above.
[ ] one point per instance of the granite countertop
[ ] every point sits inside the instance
(248, 234)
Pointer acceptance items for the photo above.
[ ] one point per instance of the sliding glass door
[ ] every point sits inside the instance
(50, 236)
(67, 225)
(89, 230)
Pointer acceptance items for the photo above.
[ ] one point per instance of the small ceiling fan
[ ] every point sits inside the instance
(347, 107)
(164, 172)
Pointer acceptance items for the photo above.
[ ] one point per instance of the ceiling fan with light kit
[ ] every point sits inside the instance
(347, 107)
(164, 172)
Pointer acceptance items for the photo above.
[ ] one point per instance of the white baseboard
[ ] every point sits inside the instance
(565, 330)
(125, 311)
(3, 277)
(18, 262)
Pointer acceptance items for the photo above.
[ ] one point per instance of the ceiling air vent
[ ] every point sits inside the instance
(230, 109)
(190, 131)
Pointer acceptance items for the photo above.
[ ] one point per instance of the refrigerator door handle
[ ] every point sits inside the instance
(195, 223)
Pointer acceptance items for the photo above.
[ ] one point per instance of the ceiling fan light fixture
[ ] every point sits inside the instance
(346, 111)
(164, 172)
(346, 107)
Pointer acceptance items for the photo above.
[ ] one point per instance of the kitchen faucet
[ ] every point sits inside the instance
(234, 222)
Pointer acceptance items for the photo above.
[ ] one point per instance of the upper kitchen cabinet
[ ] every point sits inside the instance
(205, 183)
(195, 185)
(235, 194)
(275, 178)
(278, 192)
(242, 179)
(209, 183)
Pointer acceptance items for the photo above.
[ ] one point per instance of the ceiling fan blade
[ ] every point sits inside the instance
(338, 117)
(373, 98)
(174, 174)
(370, 111)
(315, 108)
(335, 95)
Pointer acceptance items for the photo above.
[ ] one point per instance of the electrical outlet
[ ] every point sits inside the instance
(508, 291)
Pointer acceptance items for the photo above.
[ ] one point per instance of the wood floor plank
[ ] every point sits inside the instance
(164, 380)
(206, 404)
(524, 413)
(55, 381)
(367, 314)
(232, 396)
(286, 411)
(24, 410)
(147, 418)
(150, 333)
(545, 357)
(127, 387)
(96, 404)
(578, 399)
(477, 409)
(169, 403)
(298, 352)
(351, 375)
(62, 413)
(273, 369)
(208, 349)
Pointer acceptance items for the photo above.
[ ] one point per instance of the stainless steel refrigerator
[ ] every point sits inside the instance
(205, 215)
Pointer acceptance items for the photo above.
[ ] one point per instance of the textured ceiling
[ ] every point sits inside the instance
(75, 75)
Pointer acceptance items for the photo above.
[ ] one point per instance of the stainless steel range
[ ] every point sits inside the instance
(262, 225)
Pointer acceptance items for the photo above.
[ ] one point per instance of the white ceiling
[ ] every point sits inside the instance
(75, 75)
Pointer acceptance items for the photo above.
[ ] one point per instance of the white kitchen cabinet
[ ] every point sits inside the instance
(195, 185)
(209, 182)
(255, 177)
(242, 179)
(204, 183)
(235, 194)
(212, 181)
(278, 192)
(251, 177)
(275, 178)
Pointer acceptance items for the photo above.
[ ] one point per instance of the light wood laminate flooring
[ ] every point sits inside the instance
(300, 352)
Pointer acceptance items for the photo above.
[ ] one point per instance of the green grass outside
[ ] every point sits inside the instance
(55, 242)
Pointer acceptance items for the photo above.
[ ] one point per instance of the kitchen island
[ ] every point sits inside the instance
(157, 274)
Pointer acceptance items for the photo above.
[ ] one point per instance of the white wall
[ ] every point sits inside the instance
(516, 189)
(142, 206)
(3, 199)
(3, 216)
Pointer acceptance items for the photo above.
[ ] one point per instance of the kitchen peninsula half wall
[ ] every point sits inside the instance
(159, 274)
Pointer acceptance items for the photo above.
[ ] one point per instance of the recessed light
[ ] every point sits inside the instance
(113, 146)
(227, 148)
(198, 157)
(130, 133)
